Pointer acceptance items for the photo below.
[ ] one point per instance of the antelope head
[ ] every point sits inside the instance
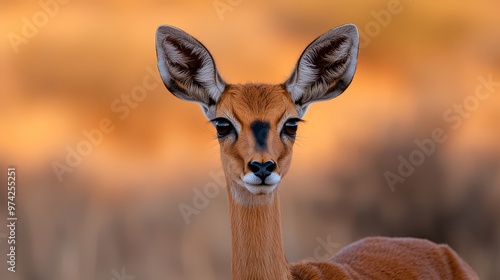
(256, 123)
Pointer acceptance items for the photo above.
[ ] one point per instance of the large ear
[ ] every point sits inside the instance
(325, 68)
(187, 68)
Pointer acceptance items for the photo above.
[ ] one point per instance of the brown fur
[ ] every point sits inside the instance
(255, 102)
(325, 70)
(388, 258)
(257, 248)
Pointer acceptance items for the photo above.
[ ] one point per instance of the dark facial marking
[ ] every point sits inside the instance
(260, 130)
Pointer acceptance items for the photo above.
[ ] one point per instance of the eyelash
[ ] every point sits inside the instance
(290, 127)
(223, 126)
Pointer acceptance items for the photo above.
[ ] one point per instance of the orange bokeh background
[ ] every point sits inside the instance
(119, 207)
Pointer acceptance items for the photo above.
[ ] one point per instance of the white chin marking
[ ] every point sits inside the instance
(254, 184)
(260, 189)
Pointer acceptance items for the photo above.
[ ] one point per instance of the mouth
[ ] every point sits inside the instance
(260, 189)
(257, 186)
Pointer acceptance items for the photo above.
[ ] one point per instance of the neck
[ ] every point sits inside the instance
(257, 247)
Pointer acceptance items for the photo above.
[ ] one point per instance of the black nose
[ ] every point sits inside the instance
(262, 169)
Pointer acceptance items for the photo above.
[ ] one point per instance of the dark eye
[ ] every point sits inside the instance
(290, 127)
(223, 126)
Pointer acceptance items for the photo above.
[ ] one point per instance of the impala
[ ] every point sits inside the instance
(256, 128)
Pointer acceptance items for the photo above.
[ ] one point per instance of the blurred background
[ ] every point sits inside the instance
(143, 197)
